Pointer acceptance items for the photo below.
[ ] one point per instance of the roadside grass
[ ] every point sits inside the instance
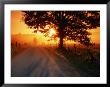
(82, 60)
(17, 48)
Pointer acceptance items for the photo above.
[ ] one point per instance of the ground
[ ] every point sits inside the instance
(42, 62)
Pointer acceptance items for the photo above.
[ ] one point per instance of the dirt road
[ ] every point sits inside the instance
(41, 62)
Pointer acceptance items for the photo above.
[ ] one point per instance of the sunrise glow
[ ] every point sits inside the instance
(52, 32)
(19, 27)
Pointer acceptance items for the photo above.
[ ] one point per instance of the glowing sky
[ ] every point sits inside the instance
(18, 26)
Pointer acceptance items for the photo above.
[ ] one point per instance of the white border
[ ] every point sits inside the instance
(56, 80)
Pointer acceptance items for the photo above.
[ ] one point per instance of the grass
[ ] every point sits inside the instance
(81, 59)
(17, 48)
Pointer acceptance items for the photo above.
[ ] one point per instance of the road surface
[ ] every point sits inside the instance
(41, 62)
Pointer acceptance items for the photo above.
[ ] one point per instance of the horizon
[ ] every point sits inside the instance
(19, 27)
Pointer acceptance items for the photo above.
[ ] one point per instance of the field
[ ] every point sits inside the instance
(19, 43)
(85, 59)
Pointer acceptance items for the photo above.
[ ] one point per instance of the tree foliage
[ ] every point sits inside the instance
(72, 25)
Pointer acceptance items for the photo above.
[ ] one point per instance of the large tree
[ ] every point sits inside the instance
(72, 25)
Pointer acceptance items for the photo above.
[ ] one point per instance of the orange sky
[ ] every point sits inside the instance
(18, 26)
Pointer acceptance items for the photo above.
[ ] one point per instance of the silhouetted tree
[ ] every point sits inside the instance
(72, 25)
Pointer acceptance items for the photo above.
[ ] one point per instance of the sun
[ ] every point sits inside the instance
(52, 32)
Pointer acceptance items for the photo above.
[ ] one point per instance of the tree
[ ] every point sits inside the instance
(72, 25)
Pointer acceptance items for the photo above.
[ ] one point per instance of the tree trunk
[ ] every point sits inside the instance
(61, 32)
(61, 42)
(61, 36)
